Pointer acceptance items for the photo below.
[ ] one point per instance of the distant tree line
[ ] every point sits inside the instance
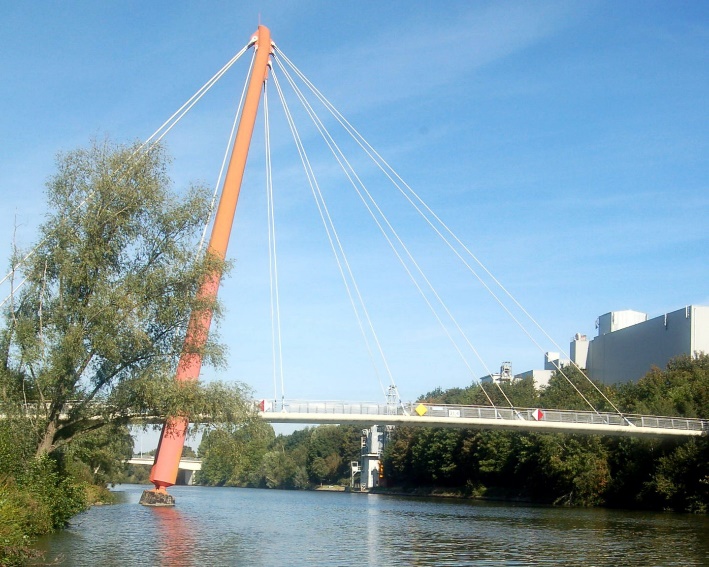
(254, 456)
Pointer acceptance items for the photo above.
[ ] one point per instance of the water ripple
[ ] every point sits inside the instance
(228, 526)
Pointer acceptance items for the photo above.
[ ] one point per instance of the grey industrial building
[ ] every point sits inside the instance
(628, 346)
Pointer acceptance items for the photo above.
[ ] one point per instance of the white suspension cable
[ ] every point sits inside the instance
(358, 137)
(340, 158)
(166, 126)
(480, 280)
(276, 337)
(333, 238)
(4, 301)
(270, 256)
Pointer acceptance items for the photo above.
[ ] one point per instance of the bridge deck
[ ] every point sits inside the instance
(483, 417)
(469, 417)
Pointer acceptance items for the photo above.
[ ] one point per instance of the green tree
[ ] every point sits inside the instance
(218, 451)
(278, 470)
(493, 454)
(570, 389)
(397, 455)
(681, 389)
(563, 469)
(434, 456)
(632, 465)
(188, 452)
(295, 446)
(101, 453)
(17, 445)
(232, 455)
(330, 450)
(94, 335)
(681, 478)
(255, 440)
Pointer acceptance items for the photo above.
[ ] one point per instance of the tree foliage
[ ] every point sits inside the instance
(330, 450)
(95, 334)
(98, 455)
(231, 455)
(252, 455)
(38, 498)
(681, 389)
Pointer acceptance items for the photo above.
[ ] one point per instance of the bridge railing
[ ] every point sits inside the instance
(357, 408)
(487, 412)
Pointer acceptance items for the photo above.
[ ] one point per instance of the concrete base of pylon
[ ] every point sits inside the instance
(156, 498)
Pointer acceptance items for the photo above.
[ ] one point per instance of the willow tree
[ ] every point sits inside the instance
(94, 335)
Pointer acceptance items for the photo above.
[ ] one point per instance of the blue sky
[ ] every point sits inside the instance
(565, 143)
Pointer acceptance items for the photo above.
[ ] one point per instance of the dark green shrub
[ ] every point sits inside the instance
(21, 517)
(63, 498)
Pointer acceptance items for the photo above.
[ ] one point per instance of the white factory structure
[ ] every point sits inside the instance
(627, 346)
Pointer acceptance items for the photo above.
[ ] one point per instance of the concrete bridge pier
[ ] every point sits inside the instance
(185, 477)
(371, 468)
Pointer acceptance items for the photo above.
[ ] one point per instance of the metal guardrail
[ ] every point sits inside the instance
(487, 412)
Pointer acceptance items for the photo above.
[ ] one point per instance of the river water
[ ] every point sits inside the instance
(239, 526)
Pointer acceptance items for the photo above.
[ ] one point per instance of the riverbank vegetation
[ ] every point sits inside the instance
(560, 469)
(40, 494)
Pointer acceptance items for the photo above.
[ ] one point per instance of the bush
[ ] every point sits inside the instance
(63, 498)
(41, 499)
(21, 516)
(17, 445)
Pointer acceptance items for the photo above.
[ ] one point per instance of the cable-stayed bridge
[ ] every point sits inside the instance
(452, 416)
(270, 62)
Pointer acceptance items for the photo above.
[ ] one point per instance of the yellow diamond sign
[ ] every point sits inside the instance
(421, 409)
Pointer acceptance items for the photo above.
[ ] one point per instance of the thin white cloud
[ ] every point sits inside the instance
(419, 56)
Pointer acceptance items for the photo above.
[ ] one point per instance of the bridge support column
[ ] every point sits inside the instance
(164, 471)
(188, 477)
(373, 441)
